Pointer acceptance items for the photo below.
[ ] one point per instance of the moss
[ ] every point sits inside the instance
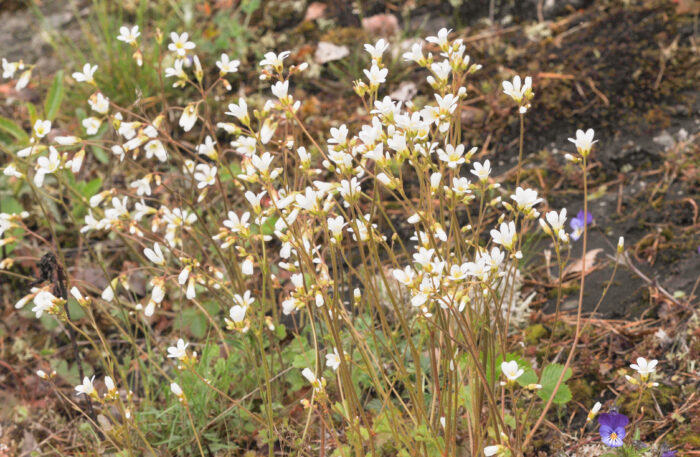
(534, 333)
(581, 390)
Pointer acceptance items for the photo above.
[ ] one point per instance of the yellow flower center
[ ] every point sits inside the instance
(613, 436)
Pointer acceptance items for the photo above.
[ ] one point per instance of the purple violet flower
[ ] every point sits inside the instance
(669, 454)
(612, 428)
(577, 224)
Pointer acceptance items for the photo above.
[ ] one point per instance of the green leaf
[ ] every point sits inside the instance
(550, 376)
(33, 114)
(6, 125)
(54, 97)
(100, 155)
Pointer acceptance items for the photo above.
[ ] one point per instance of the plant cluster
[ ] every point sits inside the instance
(352, 295)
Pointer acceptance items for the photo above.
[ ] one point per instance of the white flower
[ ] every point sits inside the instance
(556, 221)
(518, 91)
(23, 80)
(189, 117)
(274, 60)
(239, 111)
(127, 35)
(525, 199)
(109, 384)
(333, 359)
(236, 224)
(237, 313)
(86, 76)
(205, 175)
(377, 50)
(584, 141)
(156, 148)
(176, 390)
(441, 70)
(99, 103)
(506, 235)
(482, 171)
(511, 370)
(208, 148)
(594, 411)
(42, 128)
(91, 125)
(441, 38)
(227, 66)
(43, 301)
(317, 383)
(644, 367)
(67, 140)
(9, 68)
(493, 450)
(375, 75)
(155, 255)
(179, 351)
(179, 44)
(11, 170)
(86, 387)
(177, 72)
(453, 156)
(415, 54)
(279, 90)
(47, 165)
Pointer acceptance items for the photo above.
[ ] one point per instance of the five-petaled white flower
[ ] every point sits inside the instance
(584, 141)
(333, 359)
(43, 301)
(47, 165)
(518, 90)
(86, 76)
(377, 50)
(86, 387)
(129, 35)
(179, 44)
(274, 60)
(42, 128)
(375, 75)
(91, 125)
(239, 111)
(511, 370)
(99, 103)
(441, 38)
(505, 235)
(227, 66)
(205, 175)
(644, 367)
(482, 171)
(179, 351)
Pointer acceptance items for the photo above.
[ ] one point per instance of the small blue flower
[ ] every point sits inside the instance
(612, 428)
(577, 224)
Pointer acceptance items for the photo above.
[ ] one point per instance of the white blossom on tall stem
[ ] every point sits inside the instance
(180, 44)
(129, 35)
(86, 75)
(584, 141)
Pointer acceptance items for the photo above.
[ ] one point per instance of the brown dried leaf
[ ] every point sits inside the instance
(577, 266)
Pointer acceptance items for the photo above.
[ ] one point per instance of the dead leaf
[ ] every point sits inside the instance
(405, 92)
(328, 52)
(577, 266)
(386, 25)
(691, 7)
(314, 11)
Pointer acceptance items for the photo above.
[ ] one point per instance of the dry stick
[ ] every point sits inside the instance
(577, 334)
